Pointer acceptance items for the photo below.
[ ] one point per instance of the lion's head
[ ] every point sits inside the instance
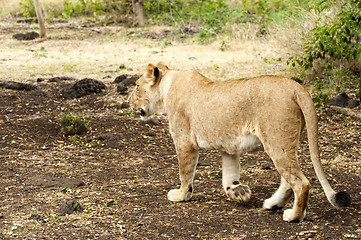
(146, 97)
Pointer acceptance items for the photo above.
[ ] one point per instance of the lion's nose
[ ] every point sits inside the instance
(139, 111)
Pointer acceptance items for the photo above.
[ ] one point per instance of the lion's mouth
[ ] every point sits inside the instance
(142, 112)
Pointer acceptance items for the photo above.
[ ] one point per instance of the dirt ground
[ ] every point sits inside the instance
(120, 171)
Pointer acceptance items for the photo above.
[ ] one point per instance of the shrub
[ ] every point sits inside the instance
(329, 49)
(27, 8)
(71, 125)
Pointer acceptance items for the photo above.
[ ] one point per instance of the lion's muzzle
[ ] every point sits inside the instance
(142, 112)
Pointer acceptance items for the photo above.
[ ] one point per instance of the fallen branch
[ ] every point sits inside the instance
(347, 111)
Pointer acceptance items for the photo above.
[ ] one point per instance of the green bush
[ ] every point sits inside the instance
(329, 49)
(338, 41)
(333, 43)
(71, 125)
(27, 8)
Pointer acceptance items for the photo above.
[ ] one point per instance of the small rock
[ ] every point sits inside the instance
(40, 94)
(120, 78)
(82, 88)
(204, 163)
(125, 105)
(307, 233)
(122, 89)
(110, 140)
(131, 80)
(106, 136)
(266, 166)
(121, 66)
(69, 206)
(149, 121)
(126, 79)
(17, 85)
(60, 79)
(112, 143)
(343, 100)
(35, 217)
(150, 134)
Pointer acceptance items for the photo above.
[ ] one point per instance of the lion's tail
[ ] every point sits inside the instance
(337, 199)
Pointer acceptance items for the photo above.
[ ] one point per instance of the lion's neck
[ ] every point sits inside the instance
(164, 87)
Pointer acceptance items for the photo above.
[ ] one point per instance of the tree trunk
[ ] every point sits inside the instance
(39, 15)
(139, 11)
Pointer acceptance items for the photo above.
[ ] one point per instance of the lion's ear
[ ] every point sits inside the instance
(162, 66)
(150, 70)
(153, 73)
(157, 76)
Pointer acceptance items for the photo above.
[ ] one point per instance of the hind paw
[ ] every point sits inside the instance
(239, 193)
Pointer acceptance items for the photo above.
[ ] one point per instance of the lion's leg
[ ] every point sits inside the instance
(280, 197)
(187, 161)
(230, 179)
(287, 165)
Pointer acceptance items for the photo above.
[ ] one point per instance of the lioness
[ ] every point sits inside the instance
(233, 117)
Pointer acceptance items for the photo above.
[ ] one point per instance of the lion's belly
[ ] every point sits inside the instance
(228, 143)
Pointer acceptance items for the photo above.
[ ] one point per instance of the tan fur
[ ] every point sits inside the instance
(233, 117)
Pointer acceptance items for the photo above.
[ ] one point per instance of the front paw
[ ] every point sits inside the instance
(290, 216)
(239, 193)
(177, 195)
(271, 205)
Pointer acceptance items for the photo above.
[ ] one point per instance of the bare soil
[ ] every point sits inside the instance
(119, 172)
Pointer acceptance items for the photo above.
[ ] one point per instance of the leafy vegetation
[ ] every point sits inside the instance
(212, 17)
(27, 8)
(71, 125)
(330, 50)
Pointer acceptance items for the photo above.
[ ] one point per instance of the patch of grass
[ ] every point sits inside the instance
(126, 113)
(55, 217)
(70, 67)
(41, 52)
(73, 139)
(71, 125)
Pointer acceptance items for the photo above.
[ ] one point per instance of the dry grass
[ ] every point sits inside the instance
(80, 52)
(8, 8)
(239, 55)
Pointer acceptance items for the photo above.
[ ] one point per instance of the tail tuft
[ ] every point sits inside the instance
(341, 199)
